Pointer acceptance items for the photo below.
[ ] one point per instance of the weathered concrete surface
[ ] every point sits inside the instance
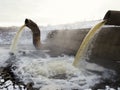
(106, 48)
(107, 44)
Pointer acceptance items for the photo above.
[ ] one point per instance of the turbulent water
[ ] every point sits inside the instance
(50, 73)
(47, 73)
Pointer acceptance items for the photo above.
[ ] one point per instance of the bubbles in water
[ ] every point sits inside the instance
(56, 71)
(53, 72)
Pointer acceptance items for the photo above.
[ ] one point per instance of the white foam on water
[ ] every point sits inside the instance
(4, 56)
(55, 73)
(45, 67)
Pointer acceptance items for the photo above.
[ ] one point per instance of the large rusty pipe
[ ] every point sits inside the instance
(112, 17)
(36, 32)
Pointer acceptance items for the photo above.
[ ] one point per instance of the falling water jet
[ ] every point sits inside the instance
(83, 48)
(15, 40)
(35, 31)
(111, 18)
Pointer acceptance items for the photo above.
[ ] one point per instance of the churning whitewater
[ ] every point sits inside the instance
(52, 73)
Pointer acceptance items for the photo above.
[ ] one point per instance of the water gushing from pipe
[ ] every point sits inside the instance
(15, 40)
(84, 46)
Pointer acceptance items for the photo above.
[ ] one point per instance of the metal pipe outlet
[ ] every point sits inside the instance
(112, 17)
(36, 32)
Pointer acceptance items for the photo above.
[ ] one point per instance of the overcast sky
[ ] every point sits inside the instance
(50, 12)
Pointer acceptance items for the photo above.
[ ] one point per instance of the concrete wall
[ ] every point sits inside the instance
(106, 48)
